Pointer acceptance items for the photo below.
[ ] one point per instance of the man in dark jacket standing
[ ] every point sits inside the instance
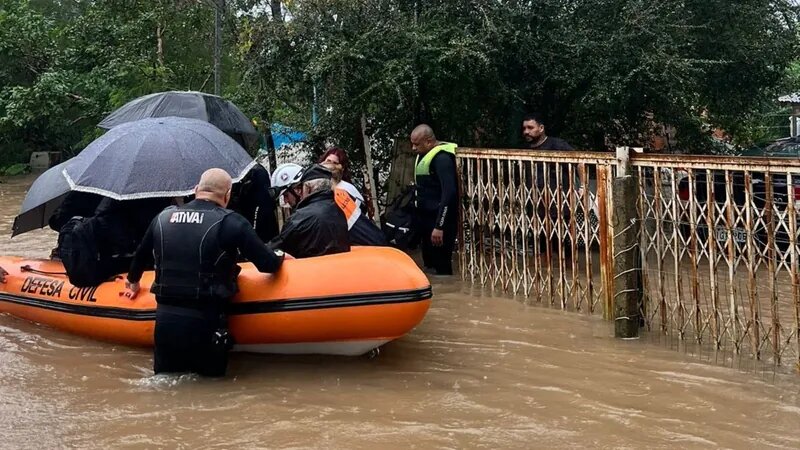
(436, 199)
(195, 248)
(317, 226)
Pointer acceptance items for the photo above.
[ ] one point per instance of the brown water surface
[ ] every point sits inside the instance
(479, 372)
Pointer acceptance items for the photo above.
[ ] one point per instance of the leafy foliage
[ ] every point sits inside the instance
(602, 71)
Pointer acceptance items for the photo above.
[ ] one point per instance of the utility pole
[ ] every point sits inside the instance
(219, 5)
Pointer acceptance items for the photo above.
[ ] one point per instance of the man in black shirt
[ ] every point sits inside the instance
(195, 248)
(317, 226)
(436, 199)
(533, 131)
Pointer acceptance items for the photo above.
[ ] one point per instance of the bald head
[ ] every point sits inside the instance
(215, 186)
(423, 139)
(423, 132)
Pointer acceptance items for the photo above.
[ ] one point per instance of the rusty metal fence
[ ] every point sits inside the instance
(719, 246)
(536, 224)
(718, 241)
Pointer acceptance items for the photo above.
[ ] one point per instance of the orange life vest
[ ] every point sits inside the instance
(348, 205)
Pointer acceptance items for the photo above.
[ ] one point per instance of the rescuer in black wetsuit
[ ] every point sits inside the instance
(436, 199)
(195, 247)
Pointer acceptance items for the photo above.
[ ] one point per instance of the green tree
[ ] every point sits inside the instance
(601, 70)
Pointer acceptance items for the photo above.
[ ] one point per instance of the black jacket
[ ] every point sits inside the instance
(76, 203)
(251, 199)
(120, 225)
(365, 232)
(317, 227)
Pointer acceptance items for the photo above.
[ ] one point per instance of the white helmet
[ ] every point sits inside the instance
(285, 174)
(283, 177)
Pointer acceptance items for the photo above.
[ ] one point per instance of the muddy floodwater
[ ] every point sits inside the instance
(481, 371)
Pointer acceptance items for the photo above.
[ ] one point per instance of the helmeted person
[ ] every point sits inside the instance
(286, 186)
(436, 199)
(362, 230)
(317, 226)
(195, 248)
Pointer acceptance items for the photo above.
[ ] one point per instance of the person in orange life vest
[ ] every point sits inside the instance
(338, 157)
(362, 230)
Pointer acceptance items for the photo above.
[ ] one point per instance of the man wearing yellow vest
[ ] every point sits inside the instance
(436, 199)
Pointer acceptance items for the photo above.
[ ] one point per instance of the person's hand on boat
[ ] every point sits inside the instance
(437, 237)
(3, 274)
(131, 289)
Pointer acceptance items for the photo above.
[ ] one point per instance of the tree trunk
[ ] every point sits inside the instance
(160, 44)
(275, 6)
(266, 125)
(220, 4)
(371, 194)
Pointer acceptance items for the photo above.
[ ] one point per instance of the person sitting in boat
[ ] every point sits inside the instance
(362, 230)
(317, 226)
(194, 248)
(337, 157)
(285, 186)
(76, 203)
(100, 245)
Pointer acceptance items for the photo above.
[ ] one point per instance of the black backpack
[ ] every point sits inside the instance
(398, 220)
(79, 254)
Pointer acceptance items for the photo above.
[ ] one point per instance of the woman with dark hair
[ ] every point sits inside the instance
(336, 160)
(336, 155)
(362, 231)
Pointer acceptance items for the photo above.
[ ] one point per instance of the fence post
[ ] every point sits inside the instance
(627, 284)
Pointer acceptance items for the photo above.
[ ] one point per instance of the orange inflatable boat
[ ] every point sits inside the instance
(345, 304)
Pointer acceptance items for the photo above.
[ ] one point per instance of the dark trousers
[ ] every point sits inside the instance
(184, 341)
(439, 258)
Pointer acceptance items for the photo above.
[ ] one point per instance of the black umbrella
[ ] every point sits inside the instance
(193, 105)
(43, 198)
(151, 158)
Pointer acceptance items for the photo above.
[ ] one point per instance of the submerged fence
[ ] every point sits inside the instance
(702, 248)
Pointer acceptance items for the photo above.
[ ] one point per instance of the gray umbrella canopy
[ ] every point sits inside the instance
(193, 105)
(43, 198)
(159, 157)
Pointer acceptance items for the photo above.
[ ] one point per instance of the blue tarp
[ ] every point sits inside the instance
(283, 135)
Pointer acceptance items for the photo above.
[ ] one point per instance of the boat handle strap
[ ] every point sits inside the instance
(28, 268)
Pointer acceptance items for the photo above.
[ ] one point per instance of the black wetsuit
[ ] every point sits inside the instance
(437, 207)
(195, 249)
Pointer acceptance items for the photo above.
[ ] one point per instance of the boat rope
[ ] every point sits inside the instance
(28, 268)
